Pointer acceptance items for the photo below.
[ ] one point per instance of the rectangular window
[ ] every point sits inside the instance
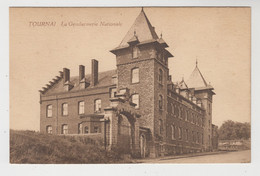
(97, 105)
(64, 109)
(135, 75)
(49, 111)
(81, 107)
(135, 100)
(64, 129)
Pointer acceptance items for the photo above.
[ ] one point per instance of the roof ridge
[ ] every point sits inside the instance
(202, 76)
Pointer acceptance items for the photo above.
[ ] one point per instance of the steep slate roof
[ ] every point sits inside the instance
(143, 29)
(182, 85)
(196, 80)
(104, 79)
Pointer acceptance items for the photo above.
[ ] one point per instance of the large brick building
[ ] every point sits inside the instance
(136, 108)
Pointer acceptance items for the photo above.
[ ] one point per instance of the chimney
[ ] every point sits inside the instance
(81, 72)
(83, 84)
(66, 79)
(66, 75)
(94, 75)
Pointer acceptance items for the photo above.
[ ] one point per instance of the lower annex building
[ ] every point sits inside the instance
(135, 108)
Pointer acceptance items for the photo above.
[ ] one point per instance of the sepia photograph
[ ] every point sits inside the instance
(124, 85)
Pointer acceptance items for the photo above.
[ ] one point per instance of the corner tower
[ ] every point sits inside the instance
(142, 67)
(203, 92)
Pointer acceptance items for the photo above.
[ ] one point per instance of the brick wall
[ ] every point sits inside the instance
(73, 117)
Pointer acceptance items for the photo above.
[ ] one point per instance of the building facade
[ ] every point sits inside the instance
(136, 108)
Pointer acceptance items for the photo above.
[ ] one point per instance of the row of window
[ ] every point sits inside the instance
(186, 115)
(183, 134)
(65, 129)
(160, 54)
(81, 108)
(135, 76)
(195, 136)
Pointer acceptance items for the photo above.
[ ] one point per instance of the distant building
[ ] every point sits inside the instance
(136, 108)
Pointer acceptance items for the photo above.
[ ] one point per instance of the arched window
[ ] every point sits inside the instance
(135, 75)
(49, 110)
(97, 107)
(65, 109)
(49, 129)
(135, 100)
(198, 137)
(173, 132)
(160, 77)
(186, 115)
(64, 129)
(81, 107)
(96, 129)
(187, 135)
(173, 108)
(160, 102)
(180, 133)
(177, 111)
(86, 130)
(180, 112)
(160, 126)
(209, 109)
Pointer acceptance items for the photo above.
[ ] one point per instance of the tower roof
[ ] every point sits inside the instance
(142, 28)
(197, 81)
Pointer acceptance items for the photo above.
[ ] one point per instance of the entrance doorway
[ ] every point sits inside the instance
(142, 145)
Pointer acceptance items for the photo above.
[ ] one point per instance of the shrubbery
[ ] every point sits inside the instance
(33, 147)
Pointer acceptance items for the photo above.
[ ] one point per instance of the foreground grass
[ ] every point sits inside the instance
(36, 148)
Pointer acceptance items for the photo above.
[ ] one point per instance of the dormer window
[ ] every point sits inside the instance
(135, 52)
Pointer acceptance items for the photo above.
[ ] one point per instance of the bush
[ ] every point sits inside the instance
(36, 148)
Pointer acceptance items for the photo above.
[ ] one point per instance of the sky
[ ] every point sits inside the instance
(218, 37)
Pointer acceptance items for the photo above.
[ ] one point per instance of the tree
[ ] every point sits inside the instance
(231, 130)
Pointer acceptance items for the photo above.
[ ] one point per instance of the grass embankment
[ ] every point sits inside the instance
(36, 148)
